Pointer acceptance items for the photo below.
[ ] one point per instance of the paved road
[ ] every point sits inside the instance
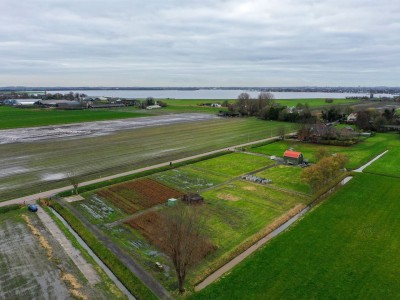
(75, 255)
(34, 197)
(361, 169)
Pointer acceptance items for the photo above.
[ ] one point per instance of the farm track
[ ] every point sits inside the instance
(125, 258)
(75, 255)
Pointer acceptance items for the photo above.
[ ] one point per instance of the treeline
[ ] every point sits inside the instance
(264, 107)
(372, 119)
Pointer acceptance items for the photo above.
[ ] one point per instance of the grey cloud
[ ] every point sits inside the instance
(155, 43)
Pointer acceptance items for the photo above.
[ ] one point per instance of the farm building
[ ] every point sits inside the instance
(293, 157)
(192, 199)
(19, 102)
(58, 103)
(153, 107)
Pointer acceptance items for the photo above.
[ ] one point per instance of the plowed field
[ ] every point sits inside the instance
(137, 195)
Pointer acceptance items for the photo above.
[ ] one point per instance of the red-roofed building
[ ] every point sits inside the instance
(293, 157)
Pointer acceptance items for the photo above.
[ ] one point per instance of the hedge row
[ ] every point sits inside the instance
(131, 282)
(105, 183)
(11, 207)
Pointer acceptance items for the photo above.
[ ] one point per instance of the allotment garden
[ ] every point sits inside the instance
(239, 210)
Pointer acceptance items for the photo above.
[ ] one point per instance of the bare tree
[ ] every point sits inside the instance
(282, 132)
(73, 179)
(184, 242)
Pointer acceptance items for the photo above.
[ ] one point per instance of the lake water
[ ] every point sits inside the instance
(208, 94)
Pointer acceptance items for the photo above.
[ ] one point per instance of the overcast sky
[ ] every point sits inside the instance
(199, 43)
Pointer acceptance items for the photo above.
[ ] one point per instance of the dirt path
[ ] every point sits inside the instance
(75, 255)
(34, 197)
(360, 169)
(125, 258)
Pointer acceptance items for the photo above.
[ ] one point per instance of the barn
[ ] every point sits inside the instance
(293, 157)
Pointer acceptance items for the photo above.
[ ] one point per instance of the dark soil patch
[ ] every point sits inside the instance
(137, 195)
(152, 226)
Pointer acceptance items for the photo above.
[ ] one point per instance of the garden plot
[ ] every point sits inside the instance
(241, 208)
(152, 226)
(134, 243)
(35, 266)
(98, 210)
(189, 179)
(286, 177)
(137, 195)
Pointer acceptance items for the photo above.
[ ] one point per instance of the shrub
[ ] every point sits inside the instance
(8, 208)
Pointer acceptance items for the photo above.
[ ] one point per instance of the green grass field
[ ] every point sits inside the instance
(315, 103)
(358, 154)
(286, 177)
(42, 165)
(11, 117)
(234, 164)
(347, 248)
(389, 164)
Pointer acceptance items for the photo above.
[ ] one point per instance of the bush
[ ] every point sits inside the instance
(8, 208)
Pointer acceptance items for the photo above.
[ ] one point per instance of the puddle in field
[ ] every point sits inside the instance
(12, 171)
(53, 176)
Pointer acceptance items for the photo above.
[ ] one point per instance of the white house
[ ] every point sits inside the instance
(352, 117)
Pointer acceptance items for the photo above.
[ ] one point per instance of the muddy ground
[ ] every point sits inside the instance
(34, 265)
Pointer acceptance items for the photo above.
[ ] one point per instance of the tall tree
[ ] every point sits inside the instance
(184, 240)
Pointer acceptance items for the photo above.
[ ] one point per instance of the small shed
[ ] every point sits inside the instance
(33, 208)
(171, 202)
(293, 157)
(193, 199)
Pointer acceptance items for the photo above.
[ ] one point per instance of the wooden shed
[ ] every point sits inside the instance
(192, 199)
(293, 157)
